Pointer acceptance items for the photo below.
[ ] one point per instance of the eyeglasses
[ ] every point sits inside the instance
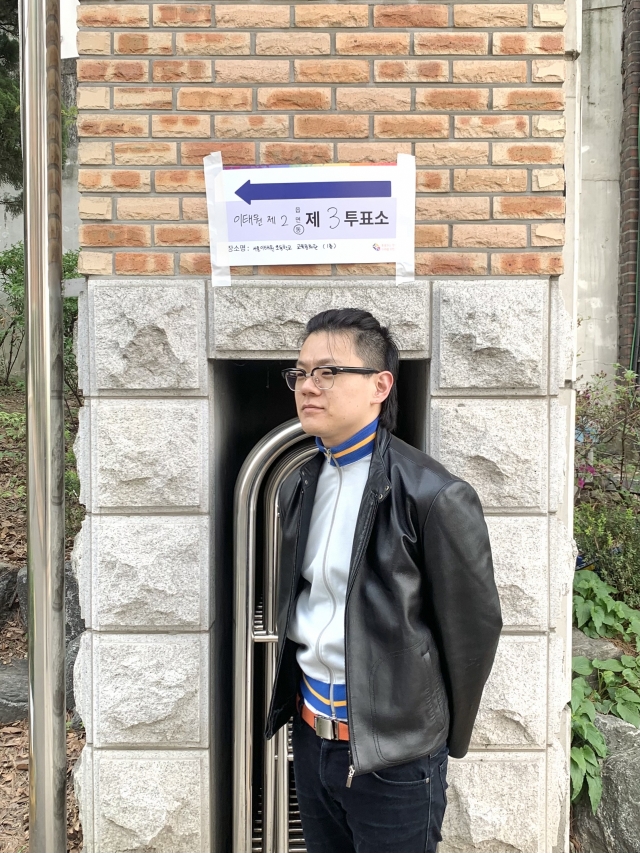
(323, 377)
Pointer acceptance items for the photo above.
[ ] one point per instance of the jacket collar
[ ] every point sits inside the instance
(357, 447)
(377, 482)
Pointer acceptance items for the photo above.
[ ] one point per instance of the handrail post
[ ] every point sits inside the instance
(41, 145)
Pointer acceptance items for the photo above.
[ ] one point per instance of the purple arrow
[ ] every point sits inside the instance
(249, 192)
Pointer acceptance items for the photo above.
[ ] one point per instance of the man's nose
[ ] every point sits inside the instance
(309, 386)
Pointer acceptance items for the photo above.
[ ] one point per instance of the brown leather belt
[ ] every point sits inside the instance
(324, 727)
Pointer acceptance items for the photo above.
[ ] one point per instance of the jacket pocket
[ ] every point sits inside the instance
(405, 704)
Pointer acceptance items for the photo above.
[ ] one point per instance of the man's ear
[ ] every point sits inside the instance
(383, 386)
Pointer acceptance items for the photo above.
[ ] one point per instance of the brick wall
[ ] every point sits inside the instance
(475, 91)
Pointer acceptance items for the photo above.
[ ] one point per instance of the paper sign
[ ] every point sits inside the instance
(312, 214)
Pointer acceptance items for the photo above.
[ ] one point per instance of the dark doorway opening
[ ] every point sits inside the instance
(250, 398)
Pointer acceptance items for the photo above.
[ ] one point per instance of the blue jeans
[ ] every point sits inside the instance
(396, 810)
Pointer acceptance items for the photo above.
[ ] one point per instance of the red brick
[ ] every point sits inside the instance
(181, 235)
(214, 99)
(432, 236)
(179, 180)
(252, 71)
(148, 208)
(372, 44)
(115, 235)
(411, 71)
(331, 71)
(142, 98)
(420, 127)
(487, 71)
(452, 99)
(95, 263)
(451, 263)
(113, 125)
(432, 181)
(182, 71)
(111, 15)
(509, 153)
(514, 44)
(95, 207)
(119, 70)
(182, 15)
(452, 153)
(252, 126)
(332, 15)
(112, 180)
(331, 126)
(490, 180)
(487, 236)
(454, 207)
(233, 153)
(292, 44)
(145, 153)
(529, 207)
(213, 44)
(295, 99)
(197, 126)
(413, 15)
(373, 100)
(528, 99)
(195, 263)
(450, 43)
(527, 263)
(296, 152)
(143, 43)
(258, 15)
(472, 127)
(144, 263)
(487, 15)
(194, 208)
(94, 43)
(371, 152)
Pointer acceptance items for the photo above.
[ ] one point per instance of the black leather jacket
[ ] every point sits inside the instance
(422, 615)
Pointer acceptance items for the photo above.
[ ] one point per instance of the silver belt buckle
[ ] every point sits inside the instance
(324, 728)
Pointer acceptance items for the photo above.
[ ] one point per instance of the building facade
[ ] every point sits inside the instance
(177, 373)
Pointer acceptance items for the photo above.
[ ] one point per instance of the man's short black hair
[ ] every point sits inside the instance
(373, 343)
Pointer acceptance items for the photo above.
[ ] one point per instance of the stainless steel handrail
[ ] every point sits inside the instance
(275, 792)
(41, 146)
(255, 468)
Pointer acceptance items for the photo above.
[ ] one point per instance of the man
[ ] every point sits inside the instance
(388, 614)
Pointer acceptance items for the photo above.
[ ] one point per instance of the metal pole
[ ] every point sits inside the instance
(40, 108)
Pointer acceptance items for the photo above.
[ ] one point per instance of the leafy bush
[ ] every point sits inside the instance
(597, 614)
(12, 320)
(587, 744)
(607, 481)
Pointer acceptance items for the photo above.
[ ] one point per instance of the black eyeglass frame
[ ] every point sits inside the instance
(298, 371)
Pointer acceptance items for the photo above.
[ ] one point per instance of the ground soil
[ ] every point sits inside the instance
(14, 739)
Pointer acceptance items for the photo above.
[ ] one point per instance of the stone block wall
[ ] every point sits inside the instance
(498, 415)
(475, 90)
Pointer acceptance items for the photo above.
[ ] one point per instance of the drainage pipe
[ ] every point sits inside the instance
(41, 141)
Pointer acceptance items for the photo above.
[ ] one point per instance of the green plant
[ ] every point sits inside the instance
(12, 325)
(609, 537)
(598, 614)
(618, 686)
(607, 448)
(587, 744)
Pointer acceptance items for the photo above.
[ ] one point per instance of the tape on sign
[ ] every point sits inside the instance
(217, 214)
(406, 228)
